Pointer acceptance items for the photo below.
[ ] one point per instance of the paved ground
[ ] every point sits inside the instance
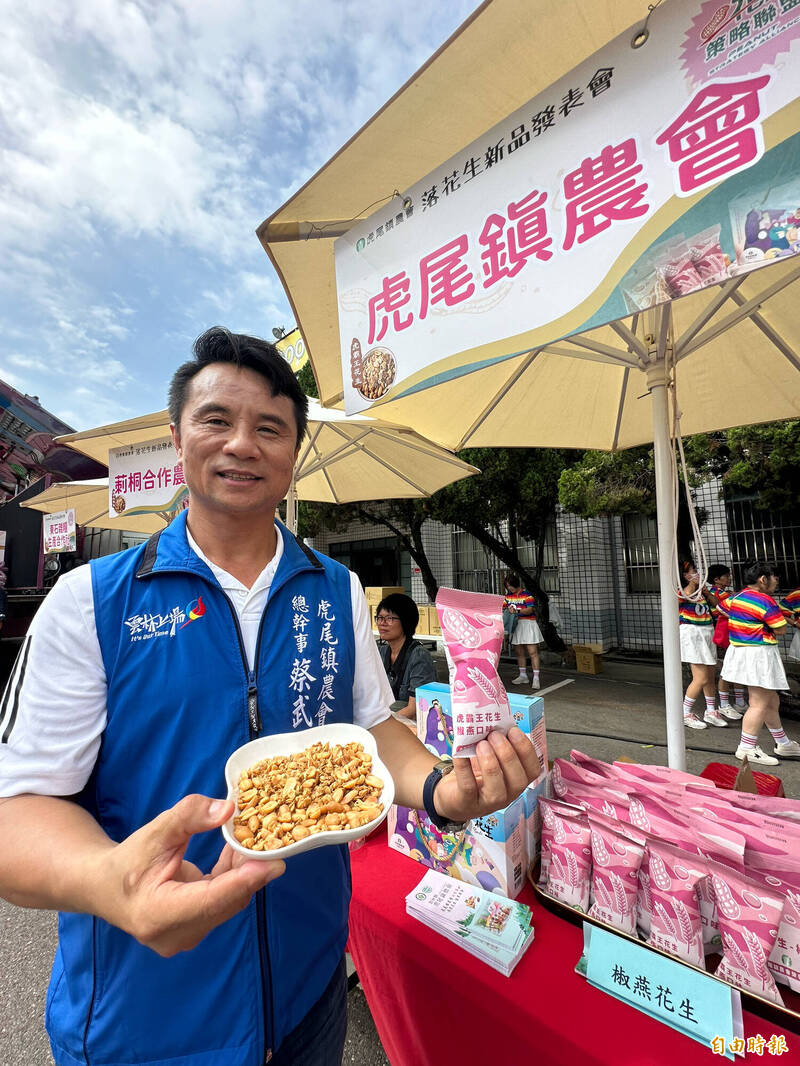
(617, 713)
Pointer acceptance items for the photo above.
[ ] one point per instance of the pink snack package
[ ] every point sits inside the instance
(472, 627)
(573, 784)
(568, 872)
(707, 254)
(664, 774)
(548, 810)
(675, 924)
(771, 806)
(749, 915)
(616, 859)
(680, 272)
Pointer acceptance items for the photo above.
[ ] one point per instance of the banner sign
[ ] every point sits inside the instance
(144, 479)
(644, 174)
(293, 349)
(58, 531)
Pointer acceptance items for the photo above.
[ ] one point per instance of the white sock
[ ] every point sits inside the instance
(724, 699)
(739, 697)
(710, 704)
(535, 675)
(748, 740)
(523, 673)
(687, 707)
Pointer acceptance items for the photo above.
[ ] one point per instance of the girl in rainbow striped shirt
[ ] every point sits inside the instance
(754, 620)
(697, 649)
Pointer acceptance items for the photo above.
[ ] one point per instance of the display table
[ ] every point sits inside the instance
(435, 1004)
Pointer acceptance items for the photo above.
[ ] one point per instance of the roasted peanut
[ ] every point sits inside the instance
(289, 798)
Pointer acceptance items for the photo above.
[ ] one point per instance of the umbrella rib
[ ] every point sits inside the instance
(323, 460)
(613, 355)
(589, 356)
(744, 311)
(758, 320)
(310, 445)
(498, 396)
(722, 294)
(630, 338)
(625, 374)
(324, 474)
(393, 469)
(442, 455)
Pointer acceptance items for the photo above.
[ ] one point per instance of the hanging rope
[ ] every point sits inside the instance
(701, 560)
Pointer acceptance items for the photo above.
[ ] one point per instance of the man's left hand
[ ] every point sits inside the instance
(499, 771)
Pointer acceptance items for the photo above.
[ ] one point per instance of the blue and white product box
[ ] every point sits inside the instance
(435, 719)
(533, 815)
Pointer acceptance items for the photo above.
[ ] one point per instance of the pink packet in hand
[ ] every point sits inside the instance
(568, 872)
(675, 924)
(472, 627)
(749, 915)
(616, 859)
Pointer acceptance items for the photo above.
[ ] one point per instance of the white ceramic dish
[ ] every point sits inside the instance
(290, 744)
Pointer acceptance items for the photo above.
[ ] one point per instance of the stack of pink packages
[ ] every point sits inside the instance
(690, 869)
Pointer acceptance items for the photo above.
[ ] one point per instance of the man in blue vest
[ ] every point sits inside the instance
(139, 676)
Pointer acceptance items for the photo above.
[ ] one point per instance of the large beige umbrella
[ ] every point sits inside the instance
(90, 502)
(734, 350)
(342, 460)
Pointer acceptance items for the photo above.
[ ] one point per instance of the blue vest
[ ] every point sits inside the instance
(180, 699)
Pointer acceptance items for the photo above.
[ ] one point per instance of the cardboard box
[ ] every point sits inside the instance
(424, 618)
(434, 628)
(375, 593)
(372, 609)
(586, 660)
(533, 815)
(489, 851)
(435, 721)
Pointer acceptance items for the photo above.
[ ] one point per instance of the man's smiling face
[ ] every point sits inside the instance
(237, 442)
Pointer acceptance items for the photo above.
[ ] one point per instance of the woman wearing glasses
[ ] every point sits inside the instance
(406, 662)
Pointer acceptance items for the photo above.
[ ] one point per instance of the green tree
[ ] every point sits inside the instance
(513, 498)
(620, 483)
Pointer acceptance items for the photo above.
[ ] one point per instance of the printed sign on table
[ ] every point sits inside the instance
(58, 531)
(643, 175)
(145, 478)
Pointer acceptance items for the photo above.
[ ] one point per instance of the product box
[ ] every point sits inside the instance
(424, 618)
(435, 722)
(533, 815)
(434, 628)
(375, 593)
(489, 851)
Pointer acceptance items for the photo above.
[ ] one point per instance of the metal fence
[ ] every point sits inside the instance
(771, 536)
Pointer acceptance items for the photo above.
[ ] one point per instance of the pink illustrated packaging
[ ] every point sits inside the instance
(675, 924)
(770, 806)
(570, 862)
(472, 628)
(749, 915)
(662, 775)
(549, 808)
(573, 784)
(616, 859)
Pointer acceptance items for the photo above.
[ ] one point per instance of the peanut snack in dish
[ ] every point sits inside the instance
(616, 859)
(472, 628)
(569, 869)
(749, 916)
(675, 924)
(287, 798)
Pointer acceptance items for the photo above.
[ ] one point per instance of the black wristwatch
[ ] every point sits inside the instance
(444, 825)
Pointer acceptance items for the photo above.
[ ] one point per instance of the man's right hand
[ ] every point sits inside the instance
(162, 900)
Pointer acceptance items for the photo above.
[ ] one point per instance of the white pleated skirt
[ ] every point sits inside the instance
(758, 664)
(527, 632)
(697, 644)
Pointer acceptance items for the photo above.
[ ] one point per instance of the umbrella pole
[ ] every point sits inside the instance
(291, 507)
(666, 518)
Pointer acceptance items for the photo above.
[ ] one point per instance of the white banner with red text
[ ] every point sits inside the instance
(145, 478)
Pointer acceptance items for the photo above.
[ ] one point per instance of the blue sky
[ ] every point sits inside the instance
(141, 143)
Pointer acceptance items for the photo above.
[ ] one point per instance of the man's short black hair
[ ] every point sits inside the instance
(219, 345)
(759, 568)
(405, 609)
(718, 570)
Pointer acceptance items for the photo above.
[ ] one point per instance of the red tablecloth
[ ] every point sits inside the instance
(435, 1004)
